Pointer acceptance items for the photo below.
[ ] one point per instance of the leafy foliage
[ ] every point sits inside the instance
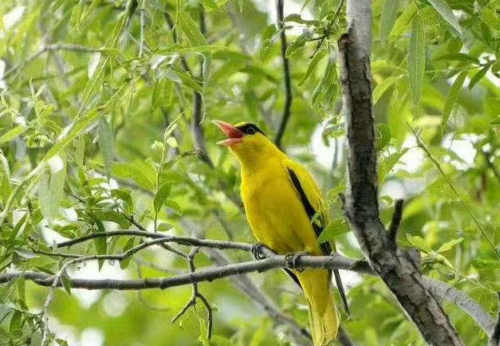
(97, 101)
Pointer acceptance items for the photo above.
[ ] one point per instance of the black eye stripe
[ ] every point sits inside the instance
(249, 129)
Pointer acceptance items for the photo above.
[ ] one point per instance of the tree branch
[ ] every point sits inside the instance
(286, 75)
(50, 48)
(463, 301)
(247, 286)
(198, 110)
(208, 274)
(188, 241)
(490, 162)
(439, 289)
(395, 267)
(495, 335)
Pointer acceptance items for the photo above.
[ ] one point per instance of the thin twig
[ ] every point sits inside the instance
(396, 221)
(50, 48)
(198, 105)
(344, 338)
(286, 76)
(188, 241)
(491, 165)
(468, 210)
(196, 295)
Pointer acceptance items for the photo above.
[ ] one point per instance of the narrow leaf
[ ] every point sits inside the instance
(135, 171)
(100, 243)
(404, 20)
(12, 134)
(449, 245)
(335, 228)
(312, 65)
(66, 283)
(106, 143)
(477, 77)
(71, 132)
(388, 18)
(446, 13)
(416, 59)
(190, 29)
(382, 87)
(452, 98)
(161, 196)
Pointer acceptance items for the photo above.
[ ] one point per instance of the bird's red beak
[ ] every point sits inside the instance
(234, 135)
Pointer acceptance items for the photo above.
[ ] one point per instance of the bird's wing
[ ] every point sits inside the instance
(311, 199)
(314, 206)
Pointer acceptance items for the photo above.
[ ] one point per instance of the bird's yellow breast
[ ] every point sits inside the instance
(275, 213)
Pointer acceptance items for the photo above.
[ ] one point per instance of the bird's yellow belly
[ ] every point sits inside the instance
(278, 219)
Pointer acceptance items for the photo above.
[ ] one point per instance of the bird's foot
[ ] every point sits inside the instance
(292, 260)
(257, 251)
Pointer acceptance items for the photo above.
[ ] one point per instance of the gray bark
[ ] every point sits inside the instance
(395, 267)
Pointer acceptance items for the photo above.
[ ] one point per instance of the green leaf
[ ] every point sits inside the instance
(106, 143)
(61, 342)
(447, 14)
(416, 59)
(73, 130)
(388, 18)
(66, 282)
(16, 322)
(382, 87)
(135, 171)
(124, 196)
(383, 136)
(386, 164)
(51, 188)
(12, 134)
(56, 187)
(130, 244)
(459, 57)
(184, 79)
(297, 44)
(404, 20)
(190, 29)
(44, 200)
(112, 216)
(161, 196)
(419, 243)
(101, 245)
(478, 76)
(452, 98)
(326, 90)
(172, 142)
(312, 65)
(335, 228)
(449, 245)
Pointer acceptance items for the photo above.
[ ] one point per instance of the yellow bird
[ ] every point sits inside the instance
(286, 213)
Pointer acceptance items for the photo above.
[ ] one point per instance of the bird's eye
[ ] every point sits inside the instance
(250, 130)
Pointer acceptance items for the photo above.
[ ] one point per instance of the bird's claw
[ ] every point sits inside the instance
(257, 252)
(291, 260)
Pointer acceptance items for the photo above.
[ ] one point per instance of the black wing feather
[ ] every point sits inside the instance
(326, 248)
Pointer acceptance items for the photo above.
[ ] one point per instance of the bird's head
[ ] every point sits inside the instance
(244, 139)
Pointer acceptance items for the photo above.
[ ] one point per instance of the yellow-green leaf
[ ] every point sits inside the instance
(416, 59)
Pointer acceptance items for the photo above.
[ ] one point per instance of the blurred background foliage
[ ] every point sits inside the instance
(97, 132)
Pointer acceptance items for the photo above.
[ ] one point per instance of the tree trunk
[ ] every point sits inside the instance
(396, 268)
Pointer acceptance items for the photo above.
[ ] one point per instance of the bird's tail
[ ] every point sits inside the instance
(323, 317)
